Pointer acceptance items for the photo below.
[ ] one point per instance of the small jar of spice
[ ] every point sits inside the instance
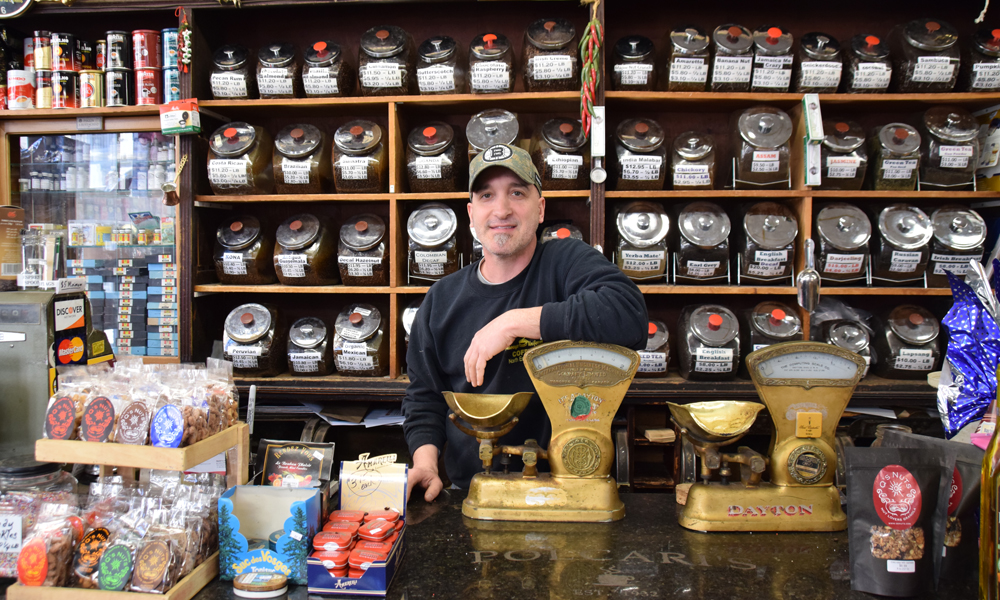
(820, 64)
(550, 58)
(438, 69)
(868, 69)
(926, 56)
(843, 231)
(773, 58)
(302, 160)
(433, 247)
(633, 68)
(642, 157)
(732, 66)
(279, 74)
(231, 77)
(981, 62)
(432, 160)
(310, 352)
(362, 253)
(950, 152)
(641, 252)
(254, 341)
(326, 73)
(359, 345)
(654, 359)
(843, 156)
(762, 159)
(240, 161)
(306, 252)
(561, 155)
(692, 165)
(687, 67)
(896, 158)
(491, 64)
(385, 62)
(489, 127)
(901, 248)
(360, 164)
(243, 254)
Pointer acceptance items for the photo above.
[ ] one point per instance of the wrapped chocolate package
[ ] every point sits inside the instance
(897, 500)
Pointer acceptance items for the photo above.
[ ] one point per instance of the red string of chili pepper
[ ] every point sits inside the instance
(590, 76)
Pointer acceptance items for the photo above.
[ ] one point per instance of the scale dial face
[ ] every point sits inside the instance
(806, 364)
(581, 363)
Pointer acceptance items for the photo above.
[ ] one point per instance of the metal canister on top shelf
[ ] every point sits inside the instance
(773, 59)
(641, 252)
(170, 39)
(562, 155)
(119, 50)
(843, 231)
(489, 127)
(101, 54)
(901, 250)
(359, 345)
(868, 69)
(119, 87)
(310, 349)
(171, 85)
(767, 243)
(959, 236)
(439, 70)
(732, 65)
(253, 339)
(91, 89)
(64, 52)
(43, 89)
(843, 156)
(148, 86)
(908, 346)
(147, 49)
(950, 152)
(641, 156)
(702, 253)
(849, 335)
(687, 66)
(85, 56)
(895, 157)
(42, 45)
(925, 56)
(433, 247)
(762, 160)
(820, 64)
(708, 348)
(306, 252)
(654, 359)
(633, 67)
(65, 89)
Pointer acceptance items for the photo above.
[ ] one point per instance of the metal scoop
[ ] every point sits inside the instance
(807, 281)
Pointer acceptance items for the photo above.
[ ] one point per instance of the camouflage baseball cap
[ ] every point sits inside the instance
(507, 156)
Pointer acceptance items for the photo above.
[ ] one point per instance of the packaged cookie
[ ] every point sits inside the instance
(88, 555)
(46, 556)
(103, 408)
(65, 408)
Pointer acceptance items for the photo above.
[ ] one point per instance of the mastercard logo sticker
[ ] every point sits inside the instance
(70, 350)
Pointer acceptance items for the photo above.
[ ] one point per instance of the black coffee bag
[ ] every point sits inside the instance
(896, 507)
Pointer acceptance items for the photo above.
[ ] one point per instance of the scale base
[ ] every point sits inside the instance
(512, 497)
(734, 507)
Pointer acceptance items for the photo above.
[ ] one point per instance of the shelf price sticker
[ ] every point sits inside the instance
(956, 263)
(985, 76)
(428, 167)
(292, 265)
(634, 74)
(840, 264)
(489, 76)
(842, 167)
(911, 359)
(765, 161)
(732, 69)
(713, 360)
(689, 70)
(955, 157)
(933, 69)
(652, 362)
(872, 76)
(229, 85)
(770, 72)
(317, 82)
(222, 171)
(702, 268)
(274, 81)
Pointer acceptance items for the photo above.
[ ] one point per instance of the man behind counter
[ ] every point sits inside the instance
(474, 326)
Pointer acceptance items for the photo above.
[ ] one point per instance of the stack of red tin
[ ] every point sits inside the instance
(352, 540)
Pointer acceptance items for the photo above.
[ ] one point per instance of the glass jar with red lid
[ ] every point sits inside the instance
(561, 154)
(243, 252)
(641, 155)
(908, 346)
(561, 231)
(433, 160)
(253, 339)
(895, 158)
(491, 64)
(360, 347)
(549, 57)
(926, 56)
(709, 345)
(843, 156)
(306, 252)
(240, 160)
(980, 70)
(360, 163)
(363, 252)
(654, 359)
(732, 65)
(302, 161)
(386, 62)
(773, 59)
(867, 69)
(326, 72)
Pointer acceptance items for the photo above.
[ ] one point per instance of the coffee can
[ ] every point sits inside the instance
(29, 53)
(20, 89)
(169, 38)
(119, 86)
(171, 85)
(119, 52)
(43, 50)
(3, 97)
(147, 86)
(65, 89)
(146, 49)
(43, 89)
(64, 52)
(101, 54)
(86, 57)
(91, 89)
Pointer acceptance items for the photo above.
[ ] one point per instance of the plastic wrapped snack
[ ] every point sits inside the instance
(46, 556)
(65, 409)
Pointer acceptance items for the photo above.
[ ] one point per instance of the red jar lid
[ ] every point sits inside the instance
(342, 527)
(384, 547)
(335, 559)
(355, 573)
(333, 540)
(362, 559)
(354, 516)
(376, 530)
(388, 514)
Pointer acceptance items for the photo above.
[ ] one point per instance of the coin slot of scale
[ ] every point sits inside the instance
(581, 386)
(805, 387)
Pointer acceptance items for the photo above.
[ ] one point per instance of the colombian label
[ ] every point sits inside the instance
(634, 74)
(955, 157)
(842, 167)
(821, 74)
(642, 260)
(430, 257)
(702, 268)
(904, 262)
(317, 82)
(641, 168)
(689, 70)
(872, 76)
(273, 81)
(292, 265)
(353, 167)
(732, 69)
(428, 167)
(229, 85)
(489, 75)
(232, 264)
(844, 263)
(295, 172)
(910, 359)
(985, 76)
(564, 166)
(436, 78)
(896, 496)
(933, 69)
(381, 75)
(652, 362)
(551, 67)
(228, 172)
(688, 174)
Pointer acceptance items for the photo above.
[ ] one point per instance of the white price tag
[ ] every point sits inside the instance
(642, 260)
(222, 171)
(430, 257)
(844, 263)
(842, 167)
(872, 76)
(564, 166)
(317, 82)
(295, 172)
(428, 167)
(689, 70)
(689, 175)
(713, 367)
(634, 74)
(898, 169)
(956, 264)
(766, 269)
(904, 262)
(641, 168)
(901, 566)
(771, 256)
(955, 157)
(702, 268)
(769, 72)
(652, 362)
(933, 69)
(232, 264)
(436, 78)
(10, 534)
(353, 362)
(714, 354)
(353, 167)
(306, 355)
(821, 74)
(490, 76)
(985, 76)
(915, 360)
(292, 265)
(229, 85)
(732, 69)
(381, 75)
(546, 68)
(359, 266)
(356, 348)
(245, 362)
(272, 81)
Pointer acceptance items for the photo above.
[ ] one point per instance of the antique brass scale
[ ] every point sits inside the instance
(806, 387)
(581, 385)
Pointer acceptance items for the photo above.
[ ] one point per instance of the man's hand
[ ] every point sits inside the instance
(496, 336)
(425, 472)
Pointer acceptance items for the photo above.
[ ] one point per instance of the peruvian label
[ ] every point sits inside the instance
(564, 166)
(643, 260)
(897, 498)
(98, 420)
(222, 171)
(957, 264)
(295, 172)
(933, 69)
(872, 76)
(765, 161)
(292, 265)
(702, 268)
(353, 167)
(904, 262)
(910, 359)
(955, 157)
(634, 73)
(551, 67)
(232, 264)
(115, 568)
(317, 82)
(244, 357)
(89, 551)
(769, 72)
(10, 534)
(428, 167)
(713, 360)
(844, 263)
(359, 266)
(381, 75)
(641, 168)
(436, 78)
(898, 169)
(985, 76)
(167, 429)
(272, 81)
(490, 75)
(652, 362)
(732, 69)
(689, 70)
(689, 174)
(842, 167)
(430, 257)
(229, 85)
(60, 419)
(821, 74)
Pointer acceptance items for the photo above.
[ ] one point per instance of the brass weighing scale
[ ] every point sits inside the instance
(806, 387)
(581, 385)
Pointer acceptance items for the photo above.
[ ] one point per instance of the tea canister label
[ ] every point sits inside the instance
(641, 168)
(634, 73)
(490, 75)
(732, 69)
(765, 161)
(702, 268)
(872, 76)
(713, 360)
(430, 257)
(436, 78)
(652, 362)
(551, 67)
(229, 85)
(898, 169)
(359, 266)
(688, 174)
(956, 263)
(295, 172)
(642, 260)
(904, 262)
(689, 70)
(842, 167)
(821, 74)
(933, 69)
(910, 359)
(167, 429)
(232, 264)
(844, 263)
(381, 75)
(564, 166)
(955, 157)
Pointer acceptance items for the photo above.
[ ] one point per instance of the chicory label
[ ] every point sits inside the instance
(168, 427)
(897, 497)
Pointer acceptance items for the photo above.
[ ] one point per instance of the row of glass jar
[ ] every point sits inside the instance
(922, 56)
(947, 155)
(389, 66)
(259, 344)
(910, 249)
(712, 340)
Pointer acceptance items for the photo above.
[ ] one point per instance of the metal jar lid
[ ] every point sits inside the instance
(915, 325)
(820, 46)
(564, 135)
(899, 138)
(770, 225)
(25, 466)
(843, 136)
(230, 57)
(869, 47)
(736, 39)
(692, 145)
(298, 231)
(905, 227)
(233, 139)
(276, 54)
(951, 124)
(776, 320)
(849, 335)
(489, 46)
(298, 141)
(643, 224)
(384, 41)
(640, 135)
(551, 34)
(987, 41)
(689, 40)
(432, 224)
(634, 48)
(362, 232)
(765, 126)
(771, 40)
(431, 139)
(714, 325)
(704, 224)
(844, 226)
(308, 332)
(357, 137)
(658, 335)
(410, 314)
(933, 35)
(248, 323)
(322, 54)
(358, 322)
(437, 49)
(238, 232)
(958, 227)
(492, 126)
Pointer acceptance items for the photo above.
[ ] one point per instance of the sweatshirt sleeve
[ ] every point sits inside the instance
(602, 304)
(424, 409)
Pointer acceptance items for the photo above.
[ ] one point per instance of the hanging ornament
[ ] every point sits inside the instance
(183, 41)
(590, 53)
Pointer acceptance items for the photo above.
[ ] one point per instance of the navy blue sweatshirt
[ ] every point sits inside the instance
(583, 297)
